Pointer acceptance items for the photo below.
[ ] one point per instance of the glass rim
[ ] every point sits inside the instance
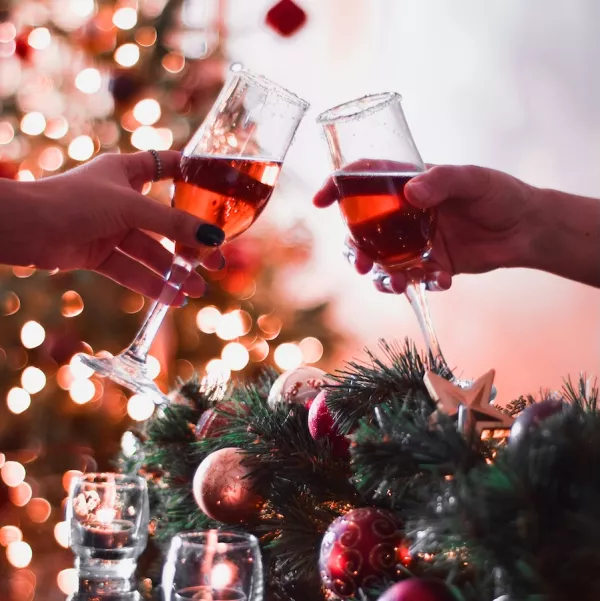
(198, 538)
(268, 84)
(101, 480)
(359, 107)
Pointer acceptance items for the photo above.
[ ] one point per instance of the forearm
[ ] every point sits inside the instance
(19, 223)
(566, 236)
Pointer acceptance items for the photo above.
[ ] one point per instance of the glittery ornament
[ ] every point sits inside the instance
(297, 387)
(418, 589)
(223, 489)
(360, 548)
(321, 425)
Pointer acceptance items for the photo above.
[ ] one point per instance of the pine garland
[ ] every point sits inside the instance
(519, 519)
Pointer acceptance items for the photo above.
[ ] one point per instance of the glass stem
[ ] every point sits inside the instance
(415, 292)
(180, 271)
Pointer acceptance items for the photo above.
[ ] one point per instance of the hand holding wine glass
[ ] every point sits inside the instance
(484, 223)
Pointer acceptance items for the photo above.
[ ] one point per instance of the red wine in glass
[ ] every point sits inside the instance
(383, 224)
(228, 192)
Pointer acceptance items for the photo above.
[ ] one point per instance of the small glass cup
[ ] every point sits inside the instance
(213, 566)
(108, 518)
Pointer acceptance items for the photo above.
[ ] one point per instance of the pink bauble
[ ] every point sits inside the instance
(360, 548)
(223, 490)
(320, 425)
(418, 589)
(297, 386)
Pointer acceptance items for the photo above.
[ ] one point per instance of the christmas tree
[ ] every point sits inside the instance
(384, 481)
(78, 78)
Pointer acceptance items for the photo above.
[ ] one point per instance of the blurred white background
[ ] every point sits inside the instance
(509, 84)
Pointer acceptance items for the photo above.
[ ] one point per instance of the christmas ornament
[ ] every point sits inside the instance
(418, 589)
(360, 548)
(22, 48)
(470, 405)
(321, 425)
(286, 18)
(297, 387)
(532, 416)
(223, 489)
(214, 421)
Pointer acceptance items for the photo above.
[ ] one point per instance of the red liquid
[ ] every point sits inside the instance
(389, 230)
(228, 192)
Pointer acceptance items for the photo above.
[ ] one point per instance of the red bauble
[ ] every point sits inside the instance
(223, 489)
(214, 421)
(298, 386)
(418, 589)
(320, 425)
(286, 18)
(360, 548)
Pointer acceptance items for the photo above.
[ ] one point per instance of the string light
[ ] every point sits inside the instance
(39, 510)
(88, 81)
(39, 38)
(79, 369)
(207, 319)
(140, 407)
(288, 356)
(18, 400)
(13, 473)
(233, 325)
(7, 132)
(82, 391)
(127, 55)
(20, 495)
(10, 534)
(68, 581)
(81, 148)
(61, 534)
(51, 158)
(32, 334)
(147, 111)
(312, 349)
(82, 8)
(19, 554)
(235, 355)
(33, 123)
(152, 367)
(147, 137)
(125, 18)
(33, 379)
(56, 128)
(72, 304)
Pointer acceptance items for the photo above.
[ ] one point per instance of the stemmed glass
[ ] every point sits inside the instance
(213, 566)
(228, 171)
(374, 156)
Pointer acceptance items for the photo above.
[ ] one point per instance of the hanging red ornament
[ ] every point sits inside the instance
(286, 18)
(321, 425)
(360, 548)
(418, 589)
(297, 387)
(223, 487)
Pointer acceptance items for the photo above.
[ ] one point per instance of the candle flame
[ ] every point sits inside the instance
(105, 515)
(222, 575)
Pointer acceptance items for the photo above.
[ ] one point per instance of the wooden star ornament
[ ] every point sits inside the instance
(470, 405)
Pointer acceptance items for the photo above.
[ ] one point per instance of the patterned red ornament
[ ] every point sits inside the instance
(286, 18)
(320, 425)
(418, 589)
(223, 489)
(360, 548)
(297, 387)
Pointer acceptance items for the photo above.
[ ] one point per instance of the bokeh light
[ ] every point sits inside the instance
(173, 62)
(10, 303)
(288, 356)
(33, 123)
(64, 377)
(125, 17)
(72, 304)
(56, 128)
(61, 534)
(81, 148)
(82, 8)
(79, 369)
(7, 32)
(32, 334)
(235, 356)
(270, 325)
(233, 325)
(152, 367)
(18, 400)
(127, 55)
(312, 349)
(147, 111)
(51, 158)
(19, 554)
(25, 175)
(207, 319)
(13, 473)
(33, 379)
(7, 132)
(39, 38)
(146, 36)
(10, 534)
(217, 372)
(68, 581)
(39, 510)
(259, 350)
(88, 81)
(68, 478)
(140, 407)
(82, 391)
(20, 495)
(147, 137)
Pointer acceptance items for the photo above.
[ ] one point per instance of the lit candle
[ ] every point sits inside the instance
(111, 536)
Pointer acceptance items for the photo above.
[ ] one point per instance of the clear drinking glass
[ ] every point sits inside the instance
(108, 525)
(213, 566)
(229, 170)
(374, 156)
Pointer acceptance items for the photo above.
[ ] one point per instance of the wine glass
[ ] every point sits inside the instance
(228, 171)
(374, 156)
(213, 566)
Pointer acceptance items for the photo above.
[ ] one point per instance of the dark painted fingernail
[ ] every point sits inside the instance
(210, 235)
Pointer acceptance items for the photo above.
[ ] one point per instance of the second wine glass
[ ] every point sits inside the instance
(374, 156)
(229, 169)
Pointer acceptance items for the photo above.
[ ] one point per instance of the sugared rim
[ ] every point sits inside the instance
(268, 84)
(360, 107)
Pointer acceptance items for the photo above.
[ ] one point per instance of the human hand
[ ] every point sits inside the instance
(483, 221)
(95, 217)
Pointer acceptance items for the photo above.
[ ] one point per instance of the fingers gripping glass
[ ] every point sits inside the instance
(229, 169)
(374, 156)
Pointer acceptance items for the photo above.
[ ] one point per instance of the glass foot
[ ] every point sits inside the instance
(128, 371)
